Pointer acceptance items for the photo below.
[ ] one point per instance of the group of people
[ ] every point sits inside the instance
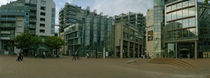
(20, 57)
(75, 56)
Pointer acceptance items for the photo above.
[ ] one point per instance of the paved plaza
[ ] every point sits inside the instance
(64, 67)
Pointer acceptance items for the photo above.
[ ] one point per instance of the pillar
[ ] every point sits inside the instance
(196, 50)
(134, 51)
(138, 52)
(128, 49)
(121, 48)
(176, 50)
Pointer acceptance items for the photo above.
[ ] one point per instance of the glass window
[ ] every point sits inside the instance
(179, 5)
(192, 22)
(173, 7)
(192, 32)
(179, 34)
(185, 33)
(191, 2)
(192, 11)
(173, 15)
(168, 17)
(186, 3)
(185, 12)
(179, 14)
(185, 23)
(168, 8)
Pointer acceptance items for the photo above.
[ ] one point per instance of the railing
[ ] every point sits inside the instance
(8, 19)
(5, 32)
(7, 25)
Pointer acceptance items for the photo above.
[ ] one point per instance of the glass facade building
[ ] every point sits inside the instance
(158, 25)
(86, 31)
(183, 29)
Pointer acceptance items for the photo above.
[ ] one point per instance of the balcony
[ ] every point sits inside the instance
(32, 26)
(32, 20)
(33, 8)
(7, 25)
(7, 38)
(32, 14)
(8, 19)
(5, 32)
(32, 32)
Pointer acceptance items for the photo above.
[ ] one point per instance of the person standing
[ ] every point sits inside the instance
(87, 55)
(44, 54)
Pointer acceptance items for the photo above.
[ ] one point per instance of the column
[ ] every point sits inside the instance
(138, 52)
(134, 44)
(121, 48)
(128, 49)
(196, 50)
(176, 50)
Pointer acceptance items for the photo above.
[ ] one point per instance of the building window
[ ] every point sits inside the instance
(191, 2)
(42, 19)
(192, 11)
(42, 31)
(185, 4)
(179, 5)
(150, 35)
(42, 13)
(43, 8)
(42, 25)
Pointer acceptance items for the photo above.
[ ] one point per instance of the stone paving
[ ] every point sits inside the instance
(64, 67)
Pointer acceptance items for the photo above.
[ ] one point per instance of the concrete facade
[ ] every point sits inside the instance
(127, 41)
(36, 17)
(149, 33)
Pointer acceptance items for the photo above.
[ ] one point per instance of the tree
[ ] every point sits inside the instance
(206, 1)
(27, 41)
(35, 41)
(23, 41)
(54, 42)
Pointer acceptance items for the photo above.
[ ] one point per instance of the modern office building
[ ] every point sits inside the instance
(137, 20)
(187, 28)
(158, 26)
(85, 31)
(128, 42)
(149, 33)
(36, 17)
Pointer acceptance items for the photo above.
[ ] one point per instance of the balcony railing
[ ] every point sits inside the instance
(5, 32)
(8, 19)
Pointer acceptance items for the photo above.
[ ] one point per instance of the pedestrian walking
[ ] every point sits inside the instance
(74, 57)
(77, 55)
(18, 57)
(21, 56)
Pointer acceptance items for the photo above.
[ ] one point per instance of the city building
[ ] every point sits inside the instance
(36, 17)
(85, 31)
(137, 20)
(187, 29)
(158, 42)
(128, 42)
(149, 33)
